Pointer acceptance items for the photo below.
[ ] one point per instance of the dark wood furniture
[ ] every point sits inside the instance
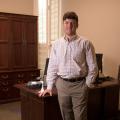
(18, 53)
(102, 103)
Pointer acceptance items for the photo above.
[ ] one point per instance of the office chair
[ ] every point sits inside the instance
(99, 57)
(45, 72)
(119, 73)
(46, 66)
(119, 84)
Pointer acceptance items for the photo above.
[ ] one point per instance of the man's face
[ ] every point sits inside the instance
(70, 26)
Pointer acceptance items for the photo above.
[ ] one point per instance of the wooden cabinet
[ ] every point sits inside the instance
(18, 52)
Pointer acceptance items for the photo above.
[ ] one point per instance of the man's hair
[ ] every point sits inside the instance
(70, 15)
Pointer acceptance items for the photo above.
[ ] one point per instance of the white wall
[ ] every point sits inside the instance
(35, 7)
(99, 21)
(17, 6)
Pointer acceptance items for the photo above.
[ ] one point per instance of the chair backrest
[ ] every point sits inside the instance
(99, 57)
(46, 66)
(119, 73)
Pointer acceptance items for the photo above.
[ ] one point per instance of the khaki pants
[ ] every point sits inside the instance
(72, 97)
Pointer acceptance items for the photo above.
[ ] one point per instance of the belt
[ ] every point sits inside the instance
(73, 79)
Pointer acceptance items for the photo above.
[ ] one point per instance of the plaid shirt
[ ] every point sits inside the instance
(71, 59)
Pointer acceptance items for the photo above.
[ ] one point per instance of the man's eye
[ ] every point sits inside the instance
(66, 22)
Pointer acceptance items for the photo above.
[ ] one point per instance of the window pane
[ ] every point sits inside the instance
(48, 20)
(42, 6)
(54, 19)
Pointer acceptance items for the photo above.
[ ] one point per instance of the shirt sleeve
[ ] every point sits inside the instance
(52, 68)
(91, 64)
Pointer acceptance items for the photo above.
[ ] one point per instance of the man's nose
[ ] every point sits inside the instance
(70, 25)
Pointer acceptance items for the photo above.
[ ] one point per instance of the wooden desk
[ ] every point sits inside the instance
(102, 103)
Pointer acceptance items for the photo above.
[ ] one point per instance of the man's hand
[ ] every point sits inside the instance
(43, 92)
(92, 85)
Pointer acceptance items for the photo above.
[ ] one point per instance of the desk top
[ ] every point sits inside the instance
(107, 83)
(104, 84)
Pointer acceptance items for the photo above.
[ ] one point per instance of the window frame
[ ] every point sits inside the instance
(48, 23)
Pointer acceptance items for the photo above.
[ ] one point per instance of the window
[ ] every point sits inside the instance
(49, 20)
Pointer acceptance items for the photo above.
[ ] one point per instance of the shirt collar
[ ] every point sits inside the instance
(74, 37)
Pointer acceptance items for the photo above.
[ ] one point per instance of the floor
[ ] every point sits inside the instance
(10, 111)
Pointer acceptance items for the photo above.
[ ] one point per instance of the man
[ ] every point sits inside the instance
(73, 68)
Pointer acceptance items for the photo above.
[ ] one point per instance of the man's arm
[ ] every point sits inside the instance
(91, 63)
(51, 73)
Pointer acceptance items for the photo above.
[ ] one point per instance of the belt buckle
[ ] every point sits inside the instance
(69, 80)
(73, 80)
(76, 79)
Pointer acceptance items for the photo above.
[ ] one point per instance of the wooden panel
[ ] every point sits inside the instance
(30, 28)
(4, 56)
(4, 29)
(18, 46)
(52, 113)
(30, 31)
(18, 56)
(36, 108)
(31, 56)
(17, 31)
(111, 102)
(95, 102)
(24, 106)
(4, 43)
